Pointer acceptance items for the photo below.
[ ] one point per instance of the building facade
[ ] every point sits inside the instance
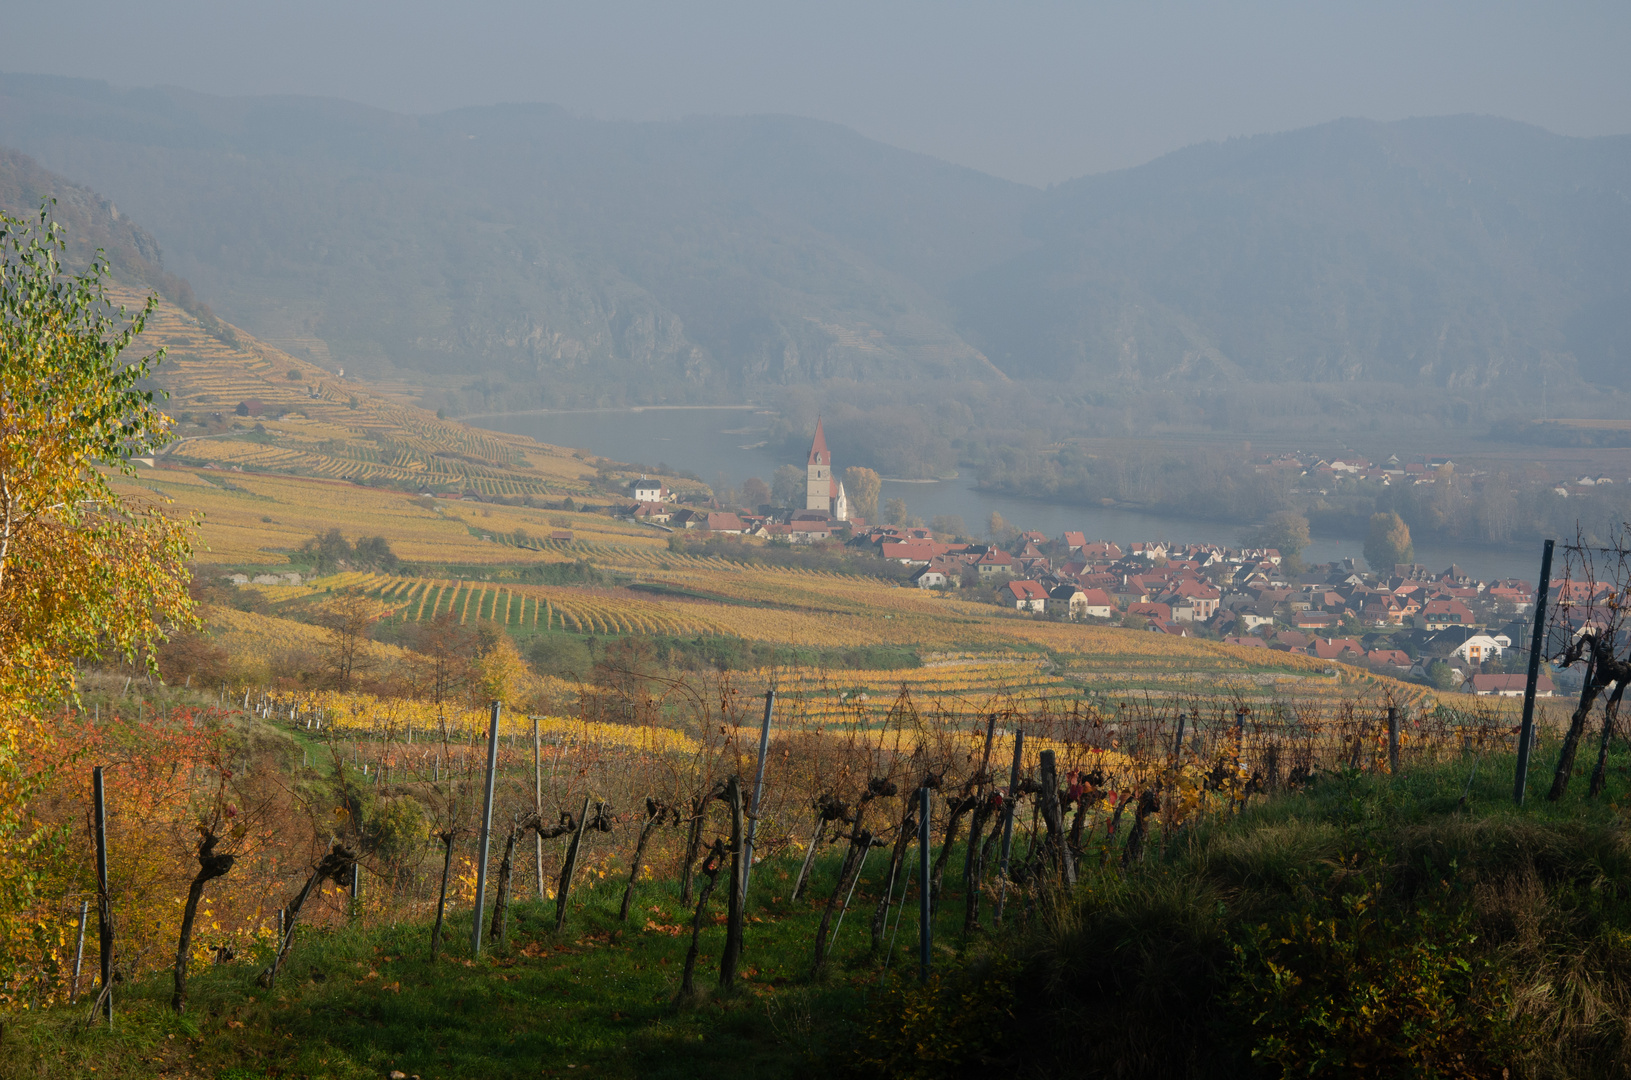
(822, 490)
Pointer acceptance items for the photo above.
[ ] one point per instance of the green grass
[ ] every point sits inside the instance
(599, 999)
(1142, 973)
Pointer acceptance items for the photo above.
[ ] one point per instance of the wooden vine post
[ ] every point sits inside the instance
(79, 949)
(1008, 826)
(758, 791)
(538, 800)
(1054, 819)
(1537, 645)
(104, 905)
(739, 884)
(973, 864)
(925, 904)
(485, 842)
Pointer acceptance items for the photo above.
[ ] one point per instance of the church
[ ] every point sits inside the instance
(823, 490)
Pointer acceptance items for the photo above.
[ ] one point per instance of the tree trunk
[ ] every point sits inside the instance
(441, 901)
(710, 871)
(1055, 848)
(974, 866)
(1611, 713)
(1147, 803)
(693, 847)
(337, 866)
(655, 812)
(568, 866)
(739, 869)
(880, 915)
(1577, 725)
(852, 865)
(210, 866)
(959, 809)
(498, 928)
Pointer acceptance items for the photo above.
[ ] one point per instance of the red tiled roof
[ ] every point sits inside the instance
(1027, 590)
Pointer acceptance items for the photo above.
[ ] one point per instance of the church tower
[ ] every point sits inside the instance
(818, 486)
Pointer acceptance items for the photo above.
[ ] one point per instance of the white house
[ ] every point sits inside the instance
(1478, 648)
(930, 577)
(1028, 595)
(649, 491)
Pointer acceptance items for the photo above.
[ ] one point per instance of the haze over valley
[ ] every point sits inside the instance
(520, 256)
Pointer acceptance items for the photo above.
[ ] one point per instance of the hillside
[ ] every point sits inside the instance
(518, 256)
(1457, 252)
(567, 258)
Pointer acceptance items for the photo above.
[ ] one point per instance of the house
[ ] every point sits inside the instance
(1074, 542)
(1519, 594)
(1155, 613)
(1247, 642)
(1193, 601)
(649, 491)
(1510, 685)
(1097, 604)
(808, 532)
(1478, 648)
(720, 521)
(1438, 614)
(1067, 600)
(1315, 620)
(1337, 649)
(1027, 595)
(994, 561)
(655, 512)
(1388, 658)
(930, 577)
(913, 552)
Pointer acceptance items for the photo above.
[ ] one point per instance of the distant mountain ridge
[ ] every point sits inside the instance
(536, 258)
(1456, 251)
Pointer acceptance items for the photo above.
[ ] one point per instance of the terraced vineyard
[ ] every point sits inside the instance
(312, 423)
(265, 486)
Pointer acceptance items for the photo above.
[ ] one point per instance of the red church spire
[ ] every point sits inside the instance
(818, 449)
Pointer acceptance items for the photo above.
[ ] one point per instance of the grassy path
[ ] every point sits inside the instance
(597, 1000)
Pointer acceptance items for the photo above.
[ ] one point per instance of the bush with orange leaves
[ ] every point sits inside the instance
(166, 779)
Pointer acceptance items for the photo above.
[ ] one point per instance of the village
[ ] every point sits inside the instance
(1441, 627)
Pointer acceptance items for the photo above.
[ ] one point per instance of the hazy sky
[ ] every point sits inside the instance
(1033, 91)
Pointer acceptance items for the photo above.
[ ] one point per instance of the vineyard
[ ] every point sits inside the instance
(392, 786)
(310, 423)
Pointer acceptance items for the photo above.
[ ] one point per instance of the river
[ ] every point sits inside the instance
(728, 442)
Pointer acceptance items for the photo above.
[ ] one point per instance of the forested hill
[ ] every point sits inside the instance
(524, 256)
(1455, 251)
(555, 254)
(92, 224)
